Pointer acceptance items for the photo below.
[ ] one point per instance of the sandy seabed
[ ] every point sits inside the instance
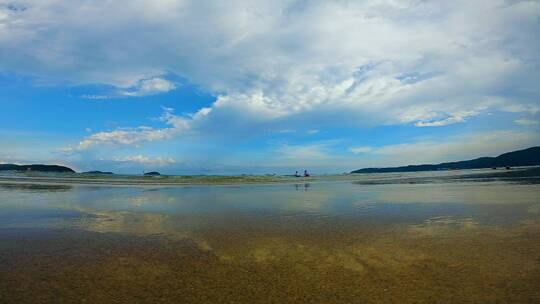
(247, 263)
(422, 238)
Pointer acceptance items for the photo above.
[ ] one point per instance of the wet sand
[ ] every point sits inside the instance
(434, 241)
(251, 264)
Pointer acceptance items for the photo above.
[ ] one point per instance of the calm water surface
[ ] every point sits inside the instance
(412, 239)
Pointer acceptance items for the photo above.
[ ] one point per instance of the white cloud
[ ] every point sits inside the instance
(145, 160)
(451, 148)
(131, 136)
(303, 153)
(367, 62)
(361, 150)
(150, 86)
(125, 136)
(520, 108)
(526, 122)
(454, 118)
(95, 97)
(143, 87)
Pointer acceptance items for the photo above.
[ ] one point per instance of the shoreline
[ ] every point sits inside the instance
(523, 173)
(141, 181)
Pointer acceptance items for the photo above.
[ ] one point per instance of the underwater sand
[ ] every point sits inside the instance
(327, 242)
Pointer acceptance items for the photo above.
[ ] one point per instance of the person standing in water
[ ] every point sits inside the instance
(306, 174)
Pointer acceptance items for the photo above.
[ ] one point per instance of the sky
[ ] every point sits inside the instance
(255, 87)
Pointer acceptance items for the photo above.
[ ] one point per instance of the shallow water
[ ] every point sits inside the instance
(441, 241)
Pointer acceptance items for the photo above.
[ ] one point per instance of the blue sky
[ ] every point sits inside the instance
(186, 87)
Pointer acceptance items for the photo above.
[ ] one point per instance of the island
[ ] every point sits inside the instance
(36, 167)
(525, 157)
(153, 173)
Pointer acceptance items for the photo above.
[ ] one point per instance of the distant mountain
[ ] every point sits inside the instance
(526, 157)
(38, 168)
(98, 172)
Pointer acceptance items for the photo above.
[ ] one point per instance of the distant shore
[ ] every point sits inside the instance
(527, 174)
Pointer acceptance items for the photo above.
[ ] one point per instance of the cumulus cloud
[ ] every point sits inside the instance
(367, 62)
(131, 136)
(125, 137)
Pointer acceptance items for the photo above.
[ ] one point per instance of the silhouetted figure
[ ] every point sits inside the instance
(296, 174)
(306, 174)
